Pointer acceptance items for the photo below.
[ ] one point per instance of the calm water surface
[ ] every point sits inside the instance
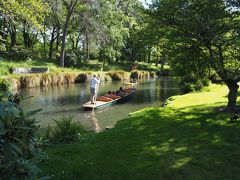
(59, 101)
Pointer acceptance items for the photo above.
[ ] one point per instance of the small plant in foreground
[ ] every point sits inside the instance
(65, 131)
(18, 145)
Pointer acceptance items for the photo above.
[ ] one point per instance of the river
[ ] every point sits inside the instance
(66, 100)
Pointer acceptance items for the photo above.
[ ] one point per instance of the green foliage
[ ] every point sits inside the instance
(187, 87)
(72, 59)
(6, 85)
(189, 83)
(18, 140)
(65, 131)
(21, 54)
(116, 75)
(201, 36)
(31, 11)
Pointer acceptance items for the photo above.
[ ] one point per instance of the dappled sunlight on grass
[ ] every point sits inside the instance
(180, 162)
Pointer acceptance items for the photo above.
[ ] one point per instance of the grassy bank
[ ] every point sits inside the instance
(189, 139)
(6, 65)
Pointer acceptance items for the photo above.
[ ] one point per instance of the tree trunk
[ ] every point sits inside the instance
(13, 35)
(149, 56)
(58, 40)
(62, 54)
(65, 29)
(51, 44)
(162, 64)
(232, 95)
(156, 64)
(44, 40)
(87, 45)
(4, 35)
(26, 36)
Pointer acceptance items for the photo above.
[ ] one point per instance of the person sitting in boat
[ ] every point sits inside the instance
(122, 92)
(111, 95)
(121, 89)
(118, 93)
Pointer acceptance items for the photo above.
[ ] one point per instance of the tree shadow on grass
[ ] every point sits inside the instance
(155, 144)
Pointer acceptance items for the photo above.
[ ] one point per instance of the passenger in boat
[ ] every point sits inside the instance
(112, 95)
(94, 82)
(121, 89)
(118, 93)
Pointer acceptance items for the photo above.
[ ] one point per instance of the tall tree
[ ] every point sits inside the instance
(70, 6)
(208, 28)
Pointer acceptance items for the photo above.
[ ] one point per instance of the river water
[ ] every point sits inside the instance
(66, 100)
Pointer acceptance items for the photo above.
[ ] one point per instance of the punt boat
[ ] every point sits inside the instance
(101, 104)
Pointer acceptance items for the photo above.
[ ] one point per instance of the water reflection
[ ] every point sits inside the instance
(96, 128)
(67, 100)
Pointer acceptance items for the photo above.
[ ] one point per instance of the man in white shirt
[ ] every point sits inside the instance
(93, 87)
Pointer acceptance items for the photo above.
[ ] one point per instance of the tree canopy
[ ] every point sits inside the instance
(201, 35)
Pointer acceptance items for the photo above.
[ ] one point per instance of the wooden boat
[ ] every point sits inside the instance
(100, 104)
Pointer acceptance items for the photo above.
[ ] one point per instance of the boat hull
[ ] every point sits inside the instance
(101, 104)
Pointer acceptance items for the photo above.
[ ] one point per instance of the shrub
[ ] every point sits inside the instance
(20, 54)
(187, 87)
(205, 82)
(73, 58)
(116, 76)
(81, 78)
(152, 74)
(198, 85)
(189, 83)
(65, 131)
(18, 140)
(6, 85)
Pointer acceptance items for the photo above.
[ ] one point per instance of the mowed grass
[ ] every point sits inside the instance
(189, 139)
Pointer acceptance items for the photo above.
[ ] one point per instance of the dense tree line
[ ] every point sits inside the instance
(67, 31)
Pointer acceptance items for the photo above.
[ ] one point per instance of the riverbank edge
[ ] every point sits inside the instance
(48, 79)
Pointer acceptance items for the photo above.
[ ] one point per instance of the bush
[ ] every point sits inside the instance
(6, 85)
(187, 87)
(65, 131)
(189, 83)
(21, 54)
(81, 78)
(70, 59)
(198, 85)
(205, 82)
(18, 140)
(116, 76)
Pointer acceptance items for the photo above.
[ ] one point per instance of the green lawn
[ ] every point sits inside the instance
(188, 139)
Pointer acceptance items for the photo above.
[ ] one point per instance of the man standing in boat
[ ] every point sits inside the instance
(94, 82)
